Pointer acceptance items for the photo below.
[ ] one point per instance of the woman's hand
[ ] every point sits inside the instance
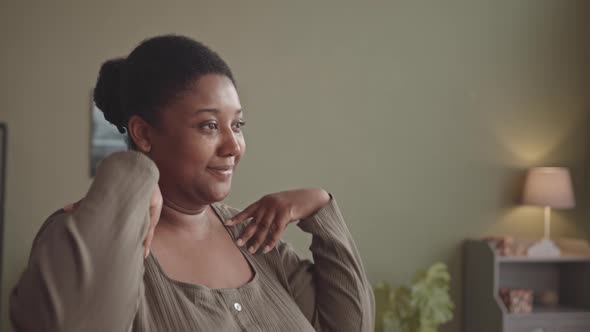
(156, 202)
(155, 209)
(272, 213)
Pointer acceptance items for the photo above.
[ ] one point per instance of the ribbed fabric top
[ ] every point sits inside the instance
(86, 272)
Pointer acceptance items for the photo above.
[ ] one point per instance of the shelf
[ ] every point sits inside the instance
(526, 259)
(485, 273)
(559, 309)
(554, 313)
(552, 310)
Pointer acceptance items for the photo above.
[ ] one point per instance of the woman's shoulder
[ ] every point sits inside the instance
(226, 211)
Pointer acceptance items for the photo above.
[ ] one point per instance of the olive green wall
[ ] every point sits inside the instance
(420, 116)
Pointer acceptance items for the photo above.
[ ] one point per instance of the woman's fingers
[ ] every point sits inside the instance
(261, 231)
(244, 215)
(154, 218)
(155, 209)
(250, 229)
(72, 206)
(270, 216)
(275, 234)
(148, 241)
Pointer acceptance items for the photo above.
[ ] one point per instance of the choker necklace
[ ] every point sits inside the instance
(180, 209)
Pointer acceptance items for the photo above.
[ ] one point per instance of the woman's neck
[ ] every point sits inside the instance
(187, 211)
(194, 219)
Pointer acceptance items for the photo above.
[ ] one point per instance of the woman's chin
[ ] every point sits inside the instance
(219, 194)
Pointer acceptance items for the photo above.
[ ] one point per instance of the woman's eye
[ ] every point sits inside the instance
(240, 124)
(210, 126)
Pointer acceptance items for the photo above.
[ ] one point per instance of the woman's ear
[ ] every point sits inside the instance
(139, 133)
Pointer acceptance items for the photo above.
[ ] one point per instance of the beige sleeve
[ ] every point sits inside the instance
(333, 292)
(86, 267)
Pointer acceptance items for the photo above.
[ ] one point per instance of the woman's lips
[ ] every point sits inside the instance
(222, 172)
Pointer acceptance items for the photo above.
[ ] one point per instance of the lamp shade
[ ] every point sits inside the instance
(549, 186)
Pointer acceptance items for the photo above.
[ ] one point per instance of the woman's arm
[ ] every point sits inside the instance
(333, 292)
(86, 267)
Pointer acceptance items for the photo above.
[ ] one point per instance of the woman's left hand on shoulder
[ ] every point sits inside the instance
(272, 213)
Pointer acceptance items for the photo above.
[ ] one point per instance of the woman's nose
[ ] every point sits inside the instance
(231, 144)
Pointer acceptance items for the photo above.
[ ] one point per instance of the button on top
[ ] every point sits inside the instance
(238, 306)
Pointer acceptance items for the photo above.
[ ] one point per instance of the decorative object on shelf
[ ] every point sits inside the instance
(547, 298)
(508, 246)
(421, 307)
(517, 301)
(517, 248)
(549, 187)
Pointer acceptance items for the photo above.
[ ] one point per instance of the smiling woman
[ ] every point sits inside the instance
(151, 248)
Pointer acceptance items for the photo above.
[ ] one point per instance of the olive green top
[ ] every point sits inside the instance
(87, 273)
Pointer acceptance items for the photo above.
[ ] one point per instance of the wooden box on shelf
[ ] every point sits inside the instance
(517, 301)
(560, 288)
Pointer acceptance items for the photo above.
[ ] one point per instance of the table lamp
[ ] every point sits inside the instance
(549, 187)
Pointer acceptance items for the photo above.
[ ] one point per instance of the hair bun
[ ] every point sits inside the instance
(107, 93)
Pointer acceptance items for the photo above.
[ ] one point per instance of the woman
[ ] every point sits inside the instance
(103, 265)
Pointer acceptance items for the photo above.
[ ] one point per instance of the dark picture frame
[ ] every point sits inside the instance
(105, 138)
(3, 152)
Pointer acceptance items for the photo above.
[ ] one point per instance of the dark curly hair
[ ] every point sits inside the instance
(155, 72)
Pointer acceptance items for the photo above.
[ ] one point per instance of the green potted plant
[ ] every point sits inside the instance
(421, 307)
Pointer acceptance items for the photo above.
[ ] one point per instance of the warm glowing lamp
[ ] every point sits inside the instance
(549, 187)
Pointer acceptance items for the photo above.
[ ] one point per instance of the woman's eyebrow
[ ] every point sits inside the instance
(205, 110)
(212, 110)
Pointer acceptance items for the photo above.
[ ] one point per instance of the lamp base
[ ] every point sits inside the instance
(544, 248)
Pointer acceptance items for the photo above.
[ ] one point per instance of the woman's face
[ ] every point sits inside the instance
(198, 142)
